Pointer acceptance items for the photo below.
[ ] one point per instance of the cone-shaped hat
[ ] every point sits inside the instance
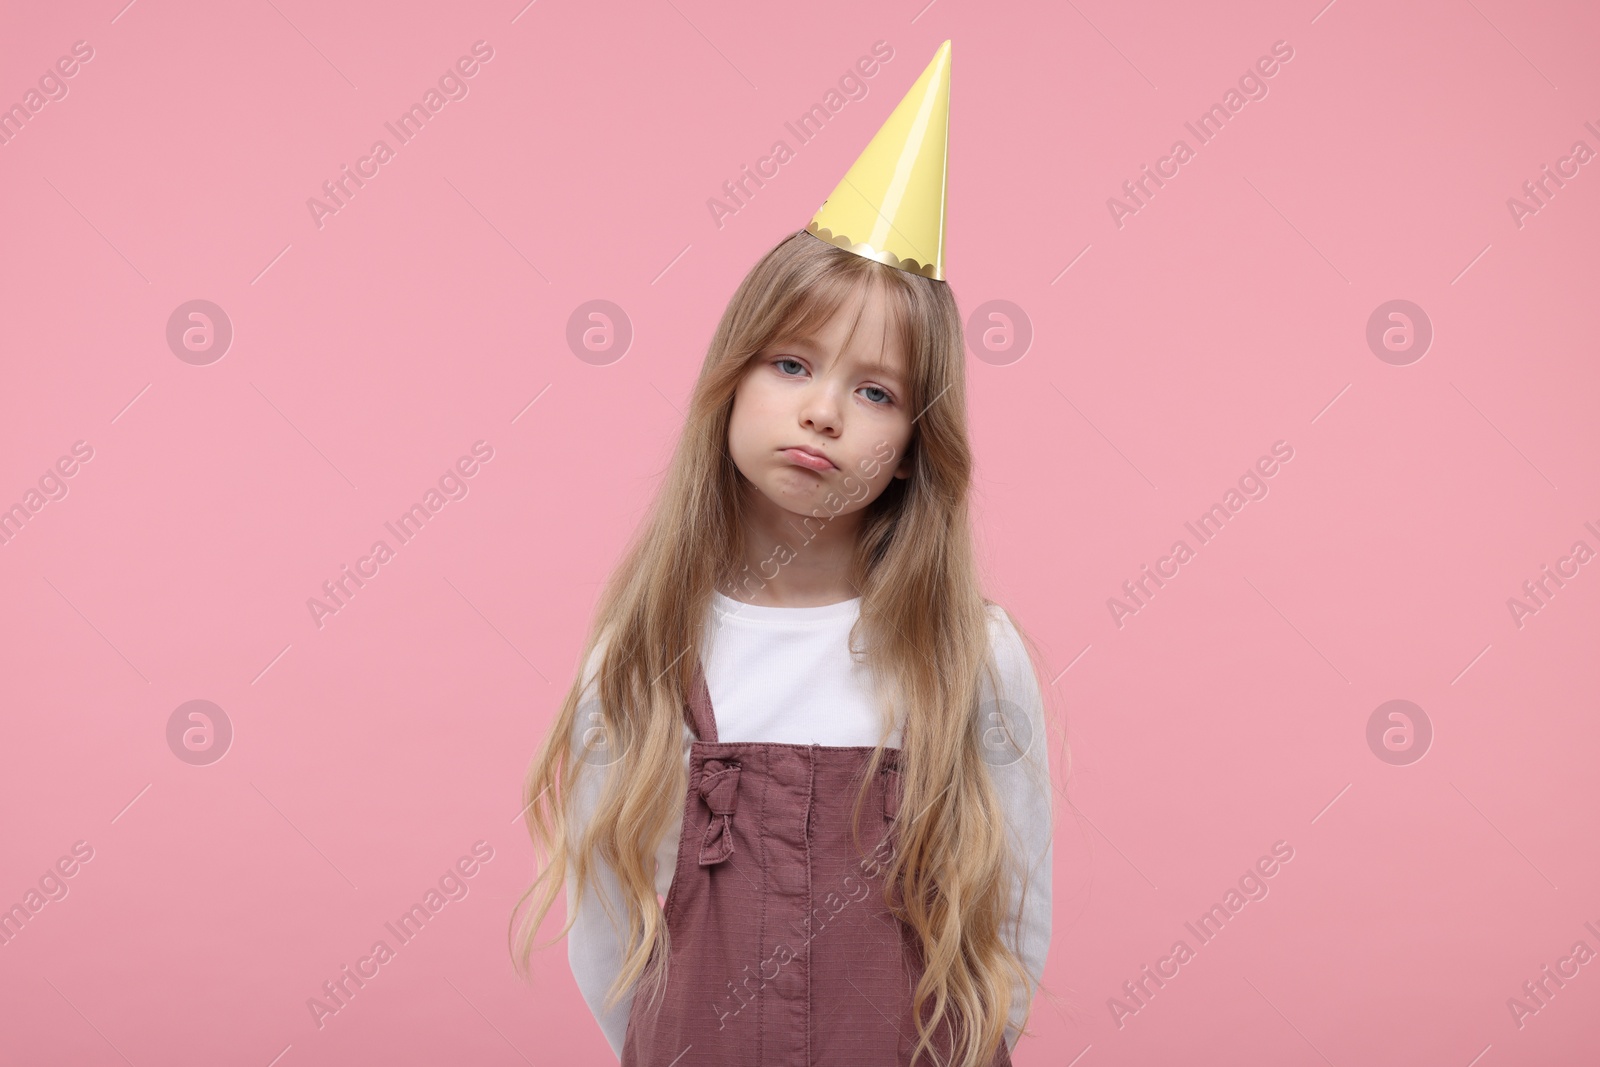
(890, 205)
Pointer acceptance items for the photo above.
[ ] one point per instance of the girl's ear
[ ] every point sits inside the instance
(904, 469)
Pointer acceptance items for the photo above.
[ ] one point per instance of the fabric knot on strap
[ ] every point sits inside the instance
(719, 788)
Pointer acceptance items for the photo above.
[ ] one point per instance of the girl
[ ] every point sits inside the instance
(799, 798)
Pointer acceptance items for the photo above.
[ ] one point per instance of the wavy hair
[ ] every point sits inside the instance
(923, 628)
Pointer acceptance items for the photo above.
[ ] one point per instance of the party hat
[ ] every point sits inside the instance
(890, 205)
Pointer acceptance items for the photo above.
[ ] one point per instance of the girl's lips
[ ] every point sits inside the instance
(807, 460)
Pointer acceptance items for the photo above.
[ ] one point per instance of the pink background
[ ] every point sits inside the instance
(1229, 313)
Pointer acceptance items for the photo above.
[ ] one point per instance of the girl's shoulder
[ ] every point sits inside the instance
(1005, 636)
(1012, 659)
(1018, 751)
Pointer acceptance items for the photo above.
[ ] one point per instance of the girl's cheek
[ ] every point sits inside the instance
(884, 455)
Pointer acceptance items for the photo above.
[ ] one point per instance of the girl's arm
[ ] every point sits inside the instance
(1025, 793)
(594, 944)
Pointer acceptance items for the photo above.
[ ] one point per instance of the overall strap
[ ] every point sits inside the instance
(698, 711)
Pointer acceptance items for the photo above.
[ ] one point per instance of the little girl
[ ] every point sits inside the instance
(799, 797)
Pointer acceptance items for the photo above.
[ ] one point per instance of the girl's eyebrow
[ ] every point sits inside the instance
(880, 368)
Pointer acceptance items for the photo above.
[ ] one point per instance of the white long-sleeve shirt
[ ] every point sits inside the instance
(786, 675)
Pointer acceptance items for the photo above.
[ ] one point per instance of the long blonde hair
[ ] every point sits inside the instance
(923, 627)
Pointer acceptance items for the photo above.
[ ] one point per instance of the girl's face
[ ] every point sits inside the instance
(848, 404)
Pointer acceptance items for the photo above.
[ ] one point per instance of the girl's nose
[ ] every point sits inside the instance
(820, 412)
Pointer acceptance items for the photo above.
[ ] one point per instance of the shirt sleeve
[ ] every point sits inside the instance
(594, 943)
(1016, 748)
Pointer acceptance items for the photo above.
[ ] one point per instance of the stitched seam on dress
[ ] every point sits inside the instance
(761, 930)
(671, 905)
(811, 780)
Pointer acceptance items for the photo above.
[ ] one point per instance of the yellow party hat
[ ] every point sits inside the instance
(890, 205)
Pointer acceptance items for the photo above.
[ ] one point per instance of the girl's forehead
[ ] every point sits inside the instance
(867, 328)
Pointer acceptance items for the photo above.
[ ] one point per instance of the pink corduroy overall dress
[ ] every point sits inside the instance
(783, 953)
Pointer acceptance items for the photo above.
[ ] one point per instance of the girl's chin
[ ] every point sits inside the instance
(802, 480)
(807, 501)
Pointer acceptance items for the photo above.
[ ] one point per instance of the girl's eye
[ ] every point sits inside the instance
(786, 359)
(876, 389)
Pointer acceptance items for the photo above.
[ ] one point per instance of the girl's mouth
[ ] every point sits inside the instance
(805, 459)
